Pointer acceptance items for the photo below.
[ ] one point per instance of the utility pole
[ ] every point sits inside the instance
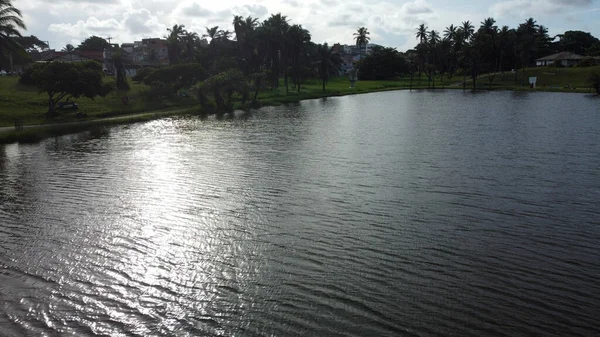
(109, 39)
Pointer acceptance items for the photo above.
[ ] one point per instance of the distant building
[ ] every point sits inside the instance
(566, 59)
(75, 56)
(155, 51)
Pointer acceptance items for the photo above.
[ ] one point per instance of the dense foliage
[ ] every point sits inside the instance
(382, 64)
(61, 80)
(93, 43)
(490, 49)
(221, 88)
(10, 22)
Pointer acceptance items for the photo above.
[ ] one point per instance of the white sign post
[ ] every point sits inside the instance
(532, 82)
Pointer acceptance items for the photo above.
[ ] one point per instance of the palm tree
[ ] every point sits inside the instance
(69, 48)
(526, 36)
(10, 22)
(503, 44)
(212, 33)
(176, 31)
(174, 38)
(467, 30)
(434, 39)
(274, 30)
(297, 38)
(190, 39)
(488, 26)
(450, 33)
(245, 31)
(421, 33)
(362, 37)
(329, 63)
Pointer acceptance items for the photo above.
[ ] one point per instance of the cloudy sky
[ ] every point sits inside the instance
(391, 22)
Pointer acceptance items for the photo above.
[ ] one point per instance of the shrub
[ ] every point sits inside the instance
(587, 62)
(27, 77)
(142, 74)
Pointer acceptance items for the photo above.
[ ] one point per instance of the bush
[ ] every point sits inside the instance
(27, 77)
(158, 91)
(587, 62)
(180, 75)
(142, 74)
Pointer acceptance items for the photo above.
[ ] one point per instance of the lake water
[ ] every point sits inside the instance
(424, 213)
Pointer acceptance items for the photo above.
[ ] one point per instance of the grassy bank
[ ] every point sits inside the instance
(548, 79)
(26, 104)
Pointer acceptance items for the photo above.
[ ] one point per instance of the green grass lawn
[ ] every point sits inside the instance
(30, 106)
(548, 79)
(26, 104)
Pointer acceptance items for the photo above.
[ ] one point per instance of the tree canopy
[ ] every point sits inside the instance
(382, 64)
(93, 43)
(577, 41)
(63, 80)
(10, 23)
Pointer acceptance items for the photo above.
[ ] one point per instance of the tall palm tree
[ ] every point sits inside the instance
(467, 29)
(488, 26)
(503, 44)
(174, 38)
(433, 40)
(212, 33)
(10, 22)
(362, 37)
(245, 34)
(526, 36)
(275, 29)
(422, 33)
(297, 38)
(69, 48)
(450, 32)
(328, 63)
(434, 37)
(190, 39)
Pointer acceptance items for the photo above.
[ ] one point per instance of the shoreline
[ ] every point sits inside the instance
(37, 132)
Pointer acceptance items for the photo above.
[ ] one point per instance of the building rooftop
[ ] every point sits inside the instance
(561, 56)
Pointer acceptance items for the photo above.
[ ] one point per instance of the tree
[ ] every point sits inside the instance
(142, 73)
(222, 87)
(594, 49)
(421, 33)
(31, 43)
(576, 41)
(274, 31)
(245, 33)
(450, 33)
(64, 80)
(69, 48)
(526, 42)
(119, 63)
(382, 64)
(175, 77)
(362, 37)
(176, 33)
(10, 22)
(467, 29)
(93, 43)
(297, 39)
(594, 82)
(328, 63)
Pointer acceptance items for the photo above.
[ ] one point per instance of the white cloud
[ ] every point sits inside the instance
(92, 26)
(535, 7)
(391, 22)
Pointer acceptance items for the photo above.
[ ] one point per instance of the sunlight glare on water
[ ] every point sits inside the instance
(424, 213)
